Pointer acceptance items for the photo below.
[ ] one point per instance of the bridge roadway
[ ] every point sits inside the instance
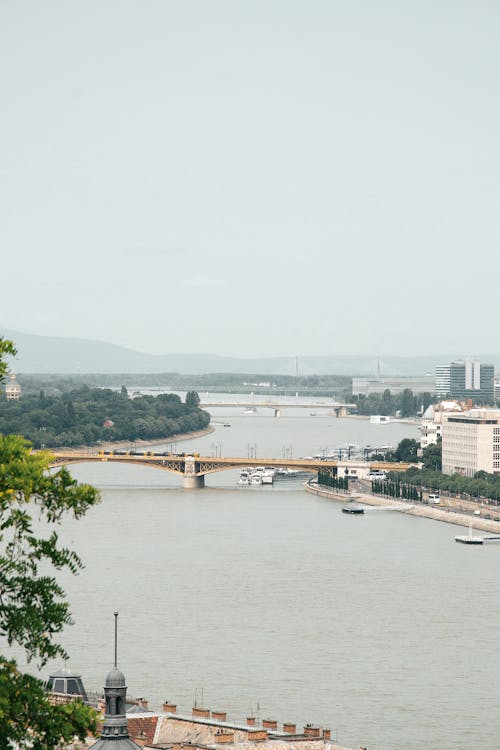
(193, 468)
(341, 410)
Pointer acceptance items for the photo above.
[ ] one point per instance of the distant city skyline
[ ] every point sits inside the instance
(274, 178)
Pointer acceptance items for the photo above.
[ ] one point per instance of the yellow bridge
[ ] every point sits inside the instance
(193, 467)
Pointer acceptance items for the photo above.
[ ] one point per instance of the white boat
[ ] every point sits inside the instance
(286, 473)
(267, 477)
(256, 479)
(250, 410)
(244, 478)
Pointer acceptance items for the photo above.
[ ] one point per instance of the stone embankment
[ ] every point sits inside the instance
(449, 514)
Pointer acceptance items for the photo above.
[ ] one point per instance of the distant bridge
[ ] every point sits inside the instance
(340, 410)
(193, 467)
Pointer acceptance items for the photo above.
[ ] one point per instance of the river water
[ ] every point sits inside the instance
(379, 626)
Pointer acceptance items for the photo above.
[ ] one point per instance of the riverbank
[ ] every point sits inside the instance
(401, 506)
(139, 444)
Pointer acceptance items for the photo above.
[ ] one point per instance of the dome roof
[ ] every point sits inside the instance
(115, 679)
(65, 673)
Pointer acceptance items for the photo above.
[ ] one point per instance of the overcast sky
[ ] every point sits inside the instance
(258, 177)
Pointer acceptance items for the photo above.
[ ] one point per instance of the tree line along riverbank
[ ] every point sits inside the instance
(90, 416)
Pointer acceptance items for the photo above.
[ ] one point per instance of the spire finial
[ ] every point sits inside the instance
(116, 637)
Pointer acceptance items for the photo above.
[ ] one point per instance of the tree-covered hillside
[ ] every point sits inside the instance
(89, 415)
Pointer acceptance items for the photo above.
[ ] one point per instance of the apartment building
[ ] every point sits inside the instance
(471, 442)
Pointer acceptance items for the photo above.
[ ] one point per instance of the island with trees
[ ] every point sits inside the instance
(88, 416)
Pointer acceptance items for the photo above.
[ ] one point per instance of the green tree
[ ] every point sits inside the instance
(432, 456)
(406, 450)
(192, 399)
(32, 605)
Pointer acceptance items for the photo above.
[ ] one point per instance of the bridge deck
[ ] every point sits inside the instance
(208, 464)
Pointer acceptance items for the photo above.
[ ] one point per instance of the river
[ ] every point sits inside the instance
(378, 626)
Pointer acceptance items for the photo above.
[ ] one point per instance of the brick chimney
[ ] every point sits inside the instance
(290, 728)
(327, 734)
(269, 724)
(142, 702)
(251, 721)
(310, 730)
(219, 715)
(169, 708)
(201, 713)
(224, 737)
(254, 735)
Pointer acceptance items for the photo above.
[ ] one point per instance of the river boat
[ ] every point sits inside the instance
(286, 473)
(267, 477)
(244, 478)
(250, 410)
(353, 510)
(256, 479)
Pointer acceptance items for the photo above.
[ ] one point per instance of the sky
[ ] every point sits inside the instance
(252, 178)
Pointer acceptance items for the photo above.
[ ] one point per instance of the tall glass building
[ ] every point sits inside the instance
(464, 380)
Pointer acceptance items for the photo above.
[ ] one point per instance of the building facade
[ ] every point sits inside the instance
(464, 380)
(471, 442)
(13, 389)
(432, 421)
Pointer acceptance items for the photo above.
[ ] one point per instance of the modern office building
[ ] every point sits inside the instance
(471, 442)
(442, 380)
(464, 380)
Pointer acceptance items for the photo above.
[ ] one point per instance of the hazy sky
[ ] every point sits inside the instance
(252, 177)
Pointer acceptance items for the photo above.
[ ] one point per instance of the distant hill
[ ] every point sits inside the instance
(50, 354)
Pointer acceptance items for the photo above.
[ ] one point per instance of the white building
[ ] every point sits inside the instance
(471, 442)
(432, 421)
(443, 380)
(13, 389)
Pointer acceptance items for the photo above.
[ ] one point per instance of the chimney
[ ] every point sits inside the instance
(290, 728)
(251, 721)
(201, 713)
(269, 724)
(253, 735)
(224, 737)
(310, 730)
(219, 715)
(142, 702)
(327, 734)
(169, 708)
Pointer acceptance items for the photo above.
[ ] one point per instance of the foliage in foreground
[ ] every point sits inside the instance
(28, 720)
(32, 605)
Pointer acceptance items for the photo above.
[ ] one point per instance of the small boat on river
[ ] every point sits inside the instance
(354, 510)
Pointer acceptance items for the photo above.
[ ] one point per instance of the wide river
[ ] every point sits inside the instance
(270, 598)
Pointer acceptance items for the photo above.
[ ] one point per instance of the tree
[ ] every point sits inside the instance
(192, 399)
(406, 450)
(432, 456)
(32, 606)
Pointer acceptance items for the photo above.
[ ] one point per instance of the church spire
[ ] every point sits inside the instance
(115, 721)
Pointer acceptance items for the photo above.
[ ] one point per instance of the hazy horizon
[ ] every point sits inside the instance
(252, 179)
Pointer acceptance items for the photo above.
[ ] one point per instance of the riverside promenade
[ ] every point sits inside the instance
(447, 514)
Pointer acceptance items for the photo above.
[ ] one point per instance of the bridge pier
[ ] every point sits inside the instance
(193, 482)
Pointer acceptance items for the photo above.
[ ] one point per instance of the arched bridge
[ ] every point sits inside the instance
(193, 467)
